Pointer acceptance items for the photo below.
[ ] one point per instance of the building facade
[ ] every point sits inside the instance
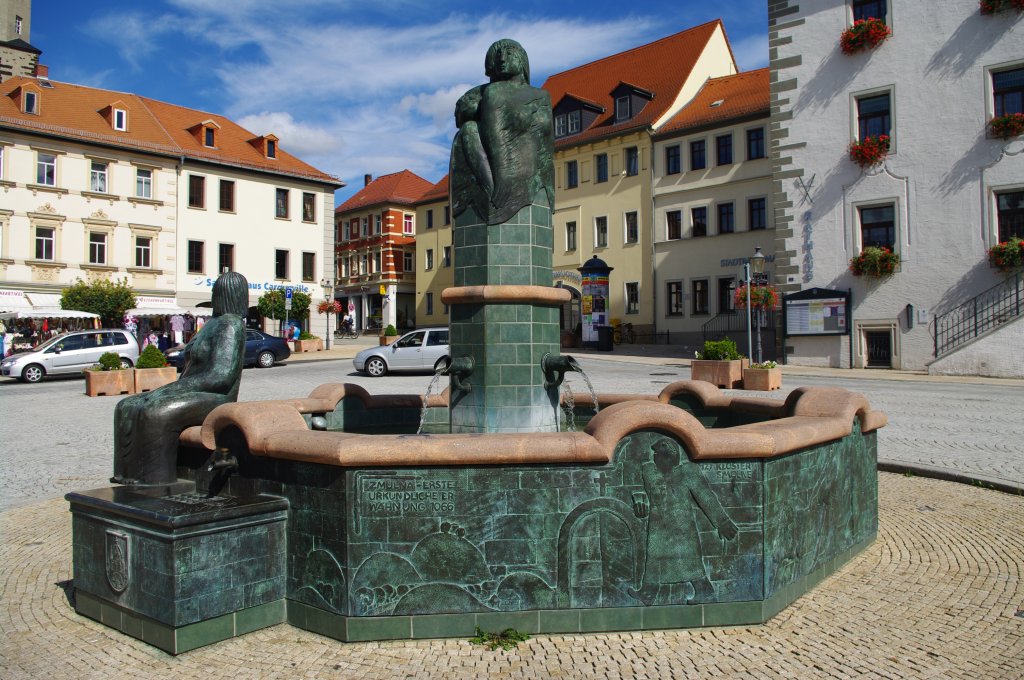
(946, 190)
(376, 251)
(434, 270)
(17, 55)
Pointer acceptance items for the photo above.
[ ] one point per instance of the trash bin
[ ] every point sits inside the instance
(604, 338)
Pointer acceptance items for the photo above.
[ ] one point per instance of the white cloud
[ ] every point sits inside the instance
(297, 138)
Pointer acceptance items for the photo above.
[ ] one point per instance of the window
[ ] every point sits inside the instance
(757, 214)
(407, 263)
(377, 268)
(674, 225)
(209, 137)
(622, 108)
(674, 297)
(271, 148)
(227, 195)
(281, 203)
(407, 224)
(143, 183)
(570, 236)
(699, 296)
(378, 221)
(1, 161)
(196, 191)
(347, 230)
(632, 298)
(308, 207)
(698, 155)
(723, 149)
(120, 120)
(430, 219)
(868, 9)
(98, 177)
(226, 258)
(725, 218)
(873, 116)
(46, 169)
(672, 160)
(878, 226)
(755, 144)
(308, 266)
(699, 221)
(45, 241)
(430, 303)
(572, 175)
(574, 122)
(601, 167)
(1010, 212)
(601, 232)
(1008, 91)
(363, 264)
(31, 102)
(560, 125)
(143, 252)
(17, 25)
(632, 231)
(366, 226)
(97, 247)
(632, 161)
(428, 261)
(281, 264)
(446, 256)
(195, 257)
(447, 214)
(726, 289)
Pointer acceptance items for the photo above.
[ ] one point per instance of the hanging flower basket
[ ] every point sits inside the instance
(994, 6)
(875, 262)
(332, 306)
(1008, 255)
(865, 34)
(1008, 126)
(869, 151)
(761, 297)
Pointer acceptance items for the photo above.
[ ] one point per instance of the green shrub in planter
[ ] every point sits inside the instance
(304, 335)
(719, 350)
(390, 331)
(109, 361)
(151, 357)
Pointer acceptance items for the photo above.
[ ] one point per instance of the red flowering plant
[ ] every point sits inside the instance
(993, 6)
(864, 34)
(875, 261)
(1008, 126)
(870, 150)
(761, 297)
(326, 306)
(1008, 255)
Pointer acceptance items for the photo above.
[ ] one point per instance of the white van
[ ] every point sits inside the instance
(71, 353)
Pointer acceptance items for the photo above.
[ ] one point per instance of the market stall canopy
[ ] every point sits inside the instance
(44, 301)
(14, 301)
(48, 313)
(158, 306)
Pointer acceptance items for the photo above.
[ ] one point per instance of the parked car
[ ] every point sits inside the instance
(423, 350)
(260, 350)
(71, 353)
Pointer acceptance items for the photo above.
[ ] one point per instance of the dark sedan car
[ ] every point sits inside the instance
(260, 350)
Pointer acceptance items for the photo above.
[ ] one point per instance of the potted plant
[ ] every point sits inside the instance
(869, 151)
(308, 342)
(719, 364)
(763, 377)
(1007, 127)
(993, 6)
(152, 370)
(329, 306)
(875, 262)
(865, 34)
(389, 335)
(109, 377)
(1008, 255)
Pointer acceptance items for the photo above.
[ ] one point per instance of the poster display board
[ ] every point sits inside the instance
(817, 311)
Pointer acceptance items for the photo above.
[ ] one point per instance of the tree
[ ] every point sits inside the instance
(109, 299)
(271, 304)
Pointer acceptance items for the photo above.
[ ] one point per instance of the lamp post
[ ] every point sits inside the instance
(329, 297)
(746, 280)
(759, 278)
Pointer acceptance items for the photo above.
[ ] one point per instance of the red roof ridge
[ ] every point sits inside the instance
(390, 188)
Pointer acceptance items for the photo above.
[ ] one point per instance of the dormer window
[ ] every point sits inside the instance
(560, 126)
(630, 101)
(622, 108)
(206, 133)
(573, 118)
(209, 138)
(120, 120)
(31, 102)
(271, 149)
(266, 145)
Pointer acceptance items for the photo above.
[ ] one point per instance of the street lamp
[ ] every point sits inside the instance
(329, 297)
(758, 278)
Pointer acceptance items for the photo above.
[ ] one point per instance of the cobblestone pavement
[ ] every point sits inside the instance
(938, 595)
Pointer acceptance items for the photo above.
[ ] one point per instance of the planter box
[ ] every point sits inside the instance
(147, 379)
(315, 345)
(387, 339)
(727, 374)
(108, 383)
(762, 379)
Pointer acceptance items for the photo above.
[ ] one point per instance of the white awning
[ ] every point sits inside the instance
(44, 300)
(14, 301)
(48, 313)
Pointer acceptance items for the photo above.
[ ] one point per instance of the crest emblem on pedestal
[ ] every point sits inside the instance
(117, 561)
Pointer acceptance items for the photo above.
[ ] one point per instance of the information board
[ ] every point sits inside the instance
(825, 315)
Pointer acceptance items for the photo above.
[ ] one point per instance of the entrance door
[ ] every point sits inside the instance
(879, 346)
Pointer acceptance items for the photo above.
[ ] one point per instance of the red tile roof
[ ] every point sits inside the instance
(741, 95)
(403, 188)
(77, 112)
(661, 67)
(438, 192)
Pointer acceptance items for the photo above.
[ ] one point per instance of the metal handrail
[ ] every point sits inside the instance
(987, 310)
(733, 322)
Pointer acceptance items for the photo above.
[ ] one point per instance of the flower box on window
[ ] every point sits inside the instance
(875, 262)
(993, 6)
(1008, 126)
(869, 151)
(1008, 255)
(865, 34)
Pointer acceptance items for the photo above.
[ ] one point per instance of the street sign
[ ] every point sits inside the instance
(351, 307)
(383, 290)
(288, 304)
(288, 293)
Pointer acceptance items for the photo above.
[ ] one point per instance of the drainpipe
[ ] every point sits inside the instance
(654, 268)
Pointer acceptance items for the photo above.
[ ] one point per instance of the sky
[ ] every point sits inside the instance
(349, 86)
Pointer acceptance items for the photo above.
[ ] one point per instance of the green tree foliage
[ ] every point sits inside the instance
(109, 299)
(271, 304)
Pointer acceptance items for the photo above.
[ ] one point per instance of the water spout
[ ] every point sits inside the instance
(555, 367)
(460, 369)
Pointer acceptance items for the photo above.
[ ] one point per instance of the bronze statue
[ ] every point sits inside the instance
(502, 154)
(147, 426)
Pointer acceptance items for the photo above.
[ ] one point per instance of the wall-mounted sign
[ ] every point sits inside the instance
(817, 311)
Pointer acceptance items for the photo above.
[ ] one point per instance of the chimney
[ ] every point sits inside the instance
(42, 71)
(367, 179)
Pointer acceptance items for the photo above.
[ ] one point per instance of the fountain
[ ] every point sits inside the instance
(365, 517)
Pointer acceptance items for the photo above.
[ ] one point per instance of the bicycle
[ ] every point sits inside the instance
(346, 333)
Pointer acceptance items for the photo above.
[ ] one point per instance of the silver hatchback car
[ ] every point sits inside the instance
(71, 353)
(423, 350)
